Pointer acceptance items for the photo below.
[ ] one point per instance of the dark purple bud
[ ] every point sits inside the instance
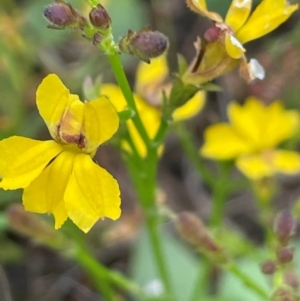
(268, 267)
(62, 15)
(100, 18)
(144, 44)
(284, 227)
(285, 255)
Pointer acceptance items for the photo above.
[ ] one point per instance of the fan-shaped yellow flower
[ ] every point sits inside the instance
(251, 139)
(59, 176)
(149, 87)
(228, 36)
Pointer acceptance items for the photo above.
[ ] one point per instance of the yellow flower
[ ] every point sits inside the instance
(59, 176)
(149, 87)
(223, 47)
(251, 139)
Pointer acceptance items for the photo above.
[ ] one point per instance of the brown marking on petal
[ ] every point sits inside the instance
(82, 141)
(268, 156)
(70, 138)
(200, 53)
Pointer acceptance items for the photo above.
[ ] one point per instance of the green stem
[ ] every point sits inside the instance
(160, 134)
(220, 194)
(202, 281)
(234, 269)
(143, 174)
(103, 277)
(93, 3)
(122, 81)
(187, 142)
(153, 227)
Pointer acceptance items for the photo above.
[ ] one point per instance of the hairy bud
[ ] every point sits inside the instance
(285, 254)
(284, 227)
(284, 293)
(62, 15)
(194, 231)
(100, 18)
(292, 279)
(33, 226)
(144, 44)
(268, 267)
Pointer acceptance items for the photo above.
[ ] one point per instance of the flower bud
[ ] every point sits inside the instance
(100, 18)
(285, 254)
(144, 44)
(33, 226)
(194, 231)
(268, 267)
(284, 227)
(292, 279)
(213, 33)
(284, 293)
(62, 15)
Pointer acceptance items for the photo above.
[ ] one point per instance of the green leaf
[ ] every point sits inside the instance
(232, 288)
(183, 267)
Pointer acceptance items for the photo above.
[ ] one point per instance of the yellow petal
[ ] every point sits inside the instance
(92, 193)
(23, 159)
(287, 162)
(115, 95)
(100, 122)
(151, 75)
(150, 117)
(255, 166)
(268, 15)
(200, 7)
(233, 47)
(249, 121)
(52, 99)
(190, 108)
(268, 163)
(46, 193)
(222, 142)
(279, 124)
(238, 13)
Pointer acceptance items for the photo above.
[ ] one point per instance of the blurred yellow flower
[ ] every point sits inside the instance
(59, 176)
(251, 139)
(228, 36)
(149, 87)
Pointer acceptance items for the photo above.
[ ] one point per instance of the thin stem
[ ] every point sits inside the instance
(221, 190)
(187, 142)
(93, 3)
(143, 174)
(234, 269)
(160, 134)
(122, 81)
(153, 223)
(202, 281)
(220, 193)
(101, 275)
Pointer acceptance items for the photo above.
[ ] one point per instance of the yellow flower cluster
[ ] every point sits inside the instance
(251, 139)
(59, 176)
